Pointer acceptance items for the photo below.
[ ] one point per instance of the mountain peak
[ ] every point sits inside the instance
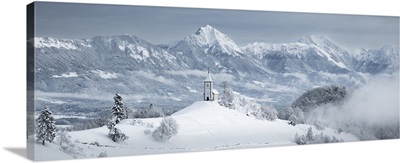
(207, 29)
(211, 38)
(315, 39)
(49, 42)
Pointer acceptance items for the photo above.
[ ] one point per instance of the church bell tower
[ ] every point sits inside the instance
(208, 87)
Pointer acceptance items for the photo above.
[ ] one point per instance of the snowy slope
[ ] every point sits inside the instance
(202, 126)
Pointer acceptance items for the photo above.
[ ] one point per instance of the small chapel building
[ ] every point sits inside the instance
(210, 94)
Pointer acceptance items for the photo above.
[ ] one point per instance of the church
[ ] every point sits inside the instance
(210, 94)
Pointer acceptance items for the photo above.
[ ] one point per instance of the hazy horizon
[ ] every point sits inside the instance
(160, 25)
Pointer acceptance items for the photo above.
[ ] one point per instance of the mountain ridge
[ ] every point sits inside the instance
(131, 65)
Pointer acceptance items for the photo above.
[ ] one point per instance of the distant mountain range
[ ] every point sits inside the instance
(143, 72)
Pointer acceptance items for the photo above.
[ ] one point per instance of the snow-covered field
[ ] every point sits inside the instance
(202, 126)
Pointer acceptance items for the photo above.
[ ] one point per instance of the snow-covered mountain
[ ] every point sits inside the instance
(125, 51)
(98, 67)
(296, 57)
(312, 53)
(376, 61)
(210, 48)
(210, 41)
(338, 53)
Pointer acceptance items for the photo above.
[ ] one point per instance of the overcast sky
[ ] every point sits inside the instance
(163, 25)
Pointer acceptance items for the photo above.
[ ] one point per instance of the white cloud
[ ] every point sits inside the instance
(104, 74)
(198, 73)
(152, 76)
(66, 75)
(377, 101)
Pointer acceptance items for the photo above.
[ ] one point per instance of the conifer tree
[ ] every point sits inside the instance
(46, 129)
(117, 112)
(227, 95)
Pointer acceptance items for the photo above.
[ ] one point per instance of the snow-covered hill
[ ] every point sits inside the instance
(202, 126)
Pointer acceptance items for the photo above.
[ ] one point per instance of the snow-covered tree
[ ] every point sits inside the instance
(116, 135)
(62, 137)
(46, 129)
(111, 123)
(300, 140)
(167, 129)
(129, 112)
(310, 135)
(118, 109)
(103, 154)
(294, 115)
(227, 96)
(319, 96)
(151, 112)
(266, 113)
(101, 121)
(310, 138)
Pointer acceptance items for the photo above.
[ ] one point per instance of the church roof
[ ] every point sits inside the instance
(209, 78)
(215, 91)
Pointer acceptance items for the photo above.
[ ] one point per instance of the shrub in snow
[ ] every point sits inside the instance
(309, 138)
(63, 138)
(100, 122)
(147, 132)
(339, 130)
(129, 113)
(67, 146)
(96, 143)
(140, 122)
(300, 140)
(168, 127)
(103, 154)
(149, 125)
(45, 126)
(116, 135)
(294, 115)
(72, 150)
(151, 112)
(266, 113)
(246, 105)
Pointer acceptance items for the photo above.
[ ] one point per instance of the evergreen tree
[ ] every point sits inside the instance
(310, 135)
(227, 95)
(117, 111)
(46, 129)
